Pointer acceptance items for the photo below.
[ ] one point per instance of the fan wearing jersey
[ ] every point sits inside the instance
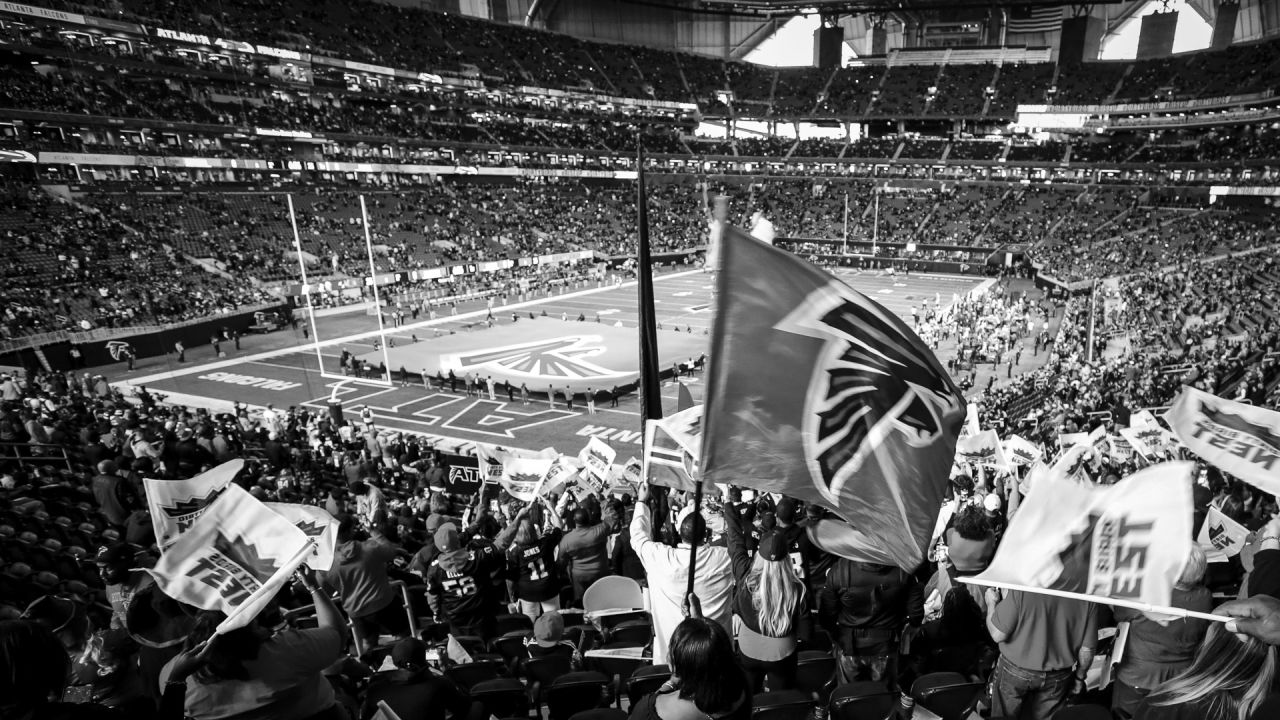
(460, 587)
(535, 575)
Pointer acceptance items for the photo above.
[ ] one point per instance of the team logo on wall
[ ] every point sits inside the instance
(566, 358)
(117, 348)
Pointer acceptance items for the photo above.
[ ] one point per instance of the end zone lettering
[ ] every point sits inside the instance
(249, 381)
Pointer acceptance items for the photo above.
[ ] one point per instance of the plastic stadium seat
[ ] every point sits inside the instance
(863, 701)
(510, 623)
(814, 670)
(1083, 712)
(781, 705)
(600, 714)
(502, 697)
(571, 694)
(637, 633)
(646, 680)
(541, 672)
(511, 647)
(468, 674)
(613, 592)
(950, 696)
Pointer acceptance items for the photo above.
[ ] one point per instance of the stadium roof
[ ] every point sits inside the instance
(797, 7)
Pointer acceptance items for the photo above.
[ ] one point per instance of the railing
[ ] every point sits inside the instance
(40, 454)
(101, 334)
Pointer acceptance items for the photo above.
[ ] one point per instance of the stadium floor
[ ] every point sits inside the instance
(281, 368)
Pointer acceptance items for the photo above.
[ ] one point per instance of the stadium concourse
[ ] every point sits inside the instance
(601, 318)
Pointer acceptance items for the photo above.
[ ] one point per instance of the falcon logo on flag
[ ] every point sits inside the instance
(866, 385)
(117, 348)
(564, 357)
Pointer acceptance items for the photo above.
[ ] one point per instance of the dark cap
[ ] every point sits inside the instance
(447, 539)
(548, 628)
(410, 652)
(786, 512)
(773, 547)
(114, 554)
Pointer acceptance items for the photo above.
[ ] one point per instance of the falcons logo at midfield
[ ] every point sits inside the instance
(867, 383)
(563, 357)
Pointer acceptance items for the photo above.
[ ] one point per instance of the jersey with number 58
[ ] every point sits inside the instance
(460, 586)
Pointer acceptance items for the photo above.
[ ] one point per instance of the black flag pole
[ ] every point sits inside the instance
(717, 231)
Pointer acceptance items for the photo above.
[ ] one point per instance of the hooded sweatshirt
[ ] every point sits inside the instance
(359, 575)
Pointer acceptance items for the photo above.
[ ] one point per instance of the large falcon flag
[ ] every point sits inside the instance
(234, 558)
(176, 504)
(817, 392)
(1239, 439)
(1126, 541)
(317, 524)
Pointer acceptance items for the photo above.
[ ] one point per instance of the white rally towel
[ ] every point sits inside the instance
(176, 504)
(234, 558)
(523, 478)
(983, 449)
(317, 524)
(1127, 541)
(1239, 439)
(1221, 537)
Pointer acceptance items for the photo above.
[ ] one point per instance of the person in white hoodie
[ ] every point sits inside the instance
(668, 571)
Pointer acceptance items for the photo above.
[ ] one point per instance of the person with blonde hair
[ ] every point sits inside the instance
(770, 612)
(1229, 679)
(1159, 649)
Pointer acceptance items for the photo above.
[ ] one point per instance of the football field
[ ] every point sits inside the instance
(582, 337)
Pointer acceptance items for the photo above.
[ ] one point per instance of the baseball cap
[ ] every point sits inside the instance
(114, 554)
(548, 628)
(773, 547)
(409, 652)
(447, 539)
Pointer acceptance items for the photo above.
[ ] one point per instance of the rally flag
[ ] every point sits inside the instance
(1070, 440)
(563, 471)
(817, 392)
(672, 448)
(1098, 441)
(1021, 451)
(317, 524)
(970, 426)
(523, 478)
(1120, 449)
(385, 712)
(596, 456)
(1126, 541)
(1221, 538)
(493, 458)
(234, 558)
(176, 504)
(650, 385)
(1142, 418)
(983, 449)
(1146, 440)
(1074, 464)
(1239, 439)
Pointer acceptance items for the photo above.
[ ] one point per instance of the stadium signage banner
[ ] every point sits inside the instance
(181, 36)
(19, 9)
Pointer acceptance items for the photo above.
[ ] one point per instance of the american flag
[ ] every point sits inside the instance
(1034, 19)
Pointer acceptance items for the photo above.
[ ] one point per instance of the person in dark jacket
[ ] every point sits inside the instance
(866, 606)
(460, 588)
(531, 559)
(411, 690)
(359, 576)
(116, 497)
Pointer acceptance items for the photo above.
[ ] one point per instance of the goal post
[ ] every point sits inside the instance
(308, 289)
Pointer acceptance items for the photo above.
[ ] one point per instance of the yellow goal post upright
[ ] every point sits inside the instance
(308, 289)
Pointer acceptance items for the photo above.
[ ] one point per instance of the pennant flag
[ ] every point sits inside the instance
(1221, 538)
(1021, 451)
(523, 477)
(176, 504)
(596, 458)
(317, 524)
(984, 449)
(817, 392)
(672, 448)
(1127, 541)
(234, 558)
(1239, 439)
(684, 398)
